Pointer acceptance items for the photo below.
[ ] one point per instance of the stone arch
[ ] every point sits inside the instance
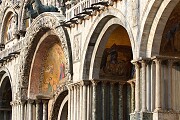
(63, 109)
(153, 24)
(6, 14)
(60, 96)
(106, 19)
(43, 23)
(6, 93)
(4, 72)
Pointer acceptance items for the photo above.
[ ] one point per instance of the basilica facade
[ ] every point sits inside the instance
(89, 60)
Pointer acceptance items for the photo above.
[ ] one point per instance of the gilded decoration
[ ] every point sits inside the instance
(115, 63)
(44, 20)
(54, 69)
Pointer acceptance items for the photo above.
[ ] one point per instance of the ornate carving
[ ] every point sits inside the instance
(52, 22)
(38, 9)
(76, 44)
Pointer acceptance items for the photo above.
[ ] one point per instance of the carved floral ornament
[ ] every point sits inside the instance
(52, 22)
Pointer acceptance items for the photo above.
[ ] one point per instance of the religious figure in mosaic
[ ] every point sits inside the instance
(171, 36)
(116, 62)
(11, 27)
(62, 72)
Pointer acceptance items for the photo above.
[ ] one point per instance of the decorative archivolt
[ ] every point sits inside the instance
(44, 21)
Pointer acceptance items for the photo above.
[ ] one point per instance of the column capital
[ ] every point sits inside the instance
(157, 59)
(30, 101)
(136, 63)
(45, 101)
(94, 82)
(85, 82)
(37, 101)
(22, 102)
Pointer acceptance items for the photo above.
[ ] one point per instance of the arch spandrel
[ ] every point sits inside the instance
(42, 24)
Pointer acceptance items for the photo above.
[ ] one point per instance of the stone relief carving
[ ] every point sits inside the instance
(76, 47)
(45, 20)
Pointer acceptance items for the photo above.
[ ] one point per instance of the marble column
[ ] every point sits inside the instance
(120, 102)
(72, 102)
(38, 112)
(158, 105)
(137, 87)
(88, 102)
(104, 83)
(22, 109)
(69, 102)
(153, 78)
(94, 102)
(81, 99)
(148, 87)
(84, 102)
(144, 105)
(45, 109)
(12, 105)
(30, 109)
(75, 102)
(132, 95)
(78, 104)
(170, 64)
(112, 101)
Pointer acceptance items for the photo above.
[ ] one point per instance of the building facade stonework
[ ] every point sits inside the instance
(89, 60)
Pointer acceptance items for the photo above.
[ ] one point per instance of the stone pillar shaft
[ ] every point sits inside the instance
(170, 64)
(30, 107)
(112, 101)
(144, 107)
(153, 76)
(148, 87)
(137, 87)
(72, 102)
(22, 109)
(38, 114)
(120, 102)
(94, 102)
(45, 109)
(158, 105)
(75, 102)
(104, 100)
(84, 102)
(69, 103)
(81, 99)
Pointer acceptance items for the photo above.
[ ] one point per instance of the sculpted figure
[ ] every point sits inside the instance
(31, 13)
(38, 9)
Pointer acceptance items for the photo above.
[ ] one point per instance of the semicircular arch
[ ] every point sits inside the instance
(100, 22)
(154, 24)
(43, 23)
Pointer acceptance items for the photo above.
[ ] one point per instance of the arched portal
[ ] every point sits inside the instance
(48, 68)
(5, 97)
(170, 49)
(112, 68)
